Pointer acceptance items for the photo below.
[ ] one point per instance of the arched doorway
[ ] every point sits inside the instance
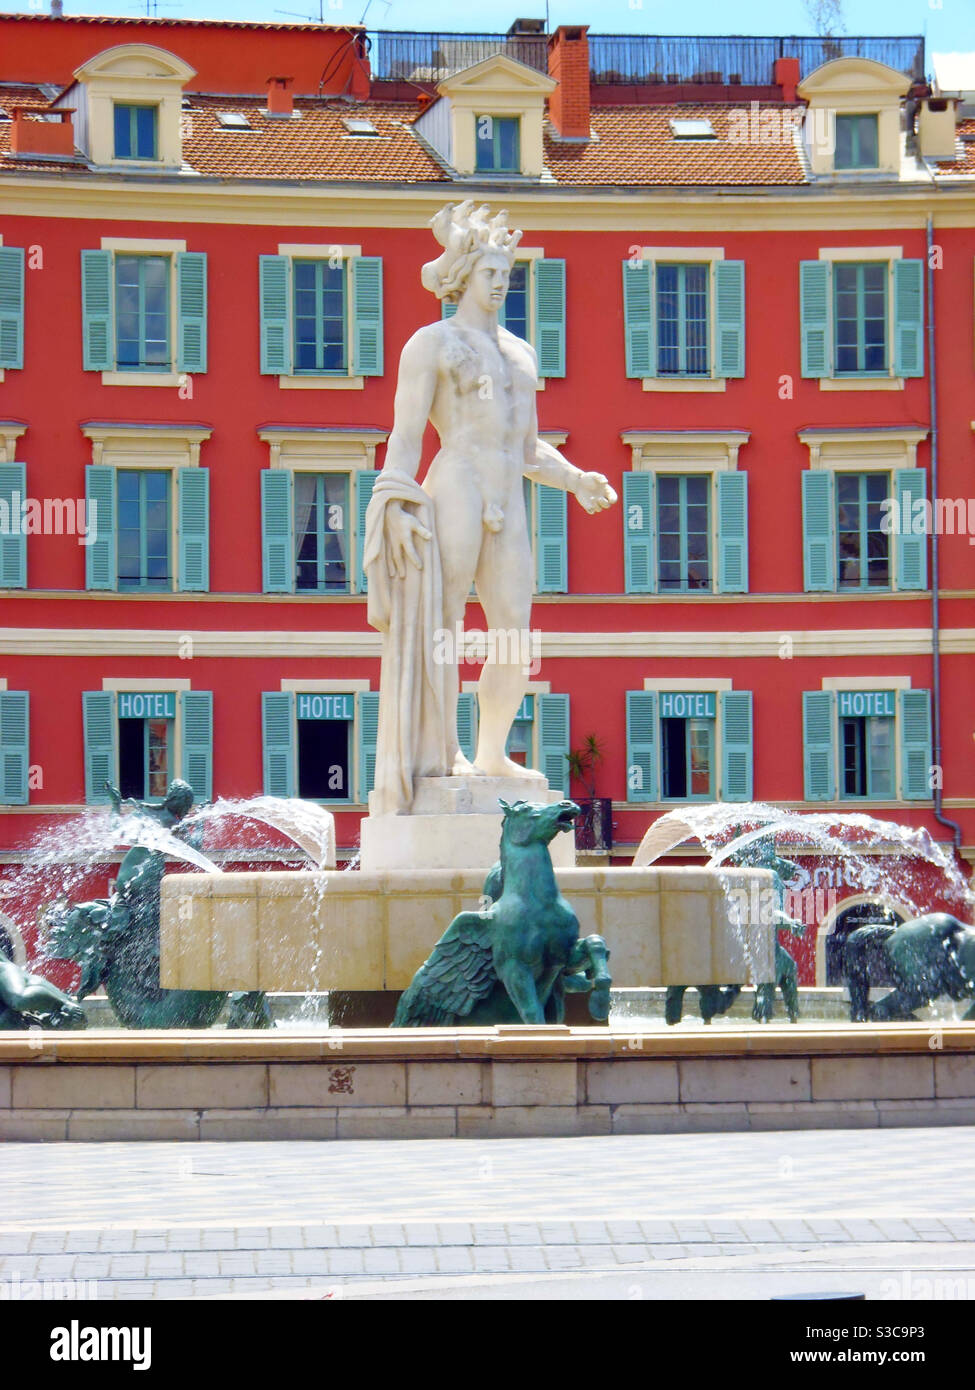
(862, 911)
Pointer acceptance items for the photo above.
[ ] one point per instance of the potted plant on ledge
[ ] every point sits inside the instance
(594, 828)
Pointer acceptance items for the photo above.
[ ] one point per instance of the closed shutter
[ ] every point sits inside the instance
(638, 318)
(278, 730)
(552, 540)
(365, 481)
(196, 718)
(910, 550)
(909, 318)
(11, 306)
(467, 723)
(368, 735)
(814, 316)
(98, 336)
(553, 741)
(193, 575)
(367, 316)
(916, 753)
(191, 311)
(641, 745)
(736, 745)
(277, 539)
(13, 541)
(550, 317)
(733, 533)
(101, 564)
(818, 545)
(447, 309)
(729, 315)
(101, 755)
(14, 747)
(639, 571)
(819, 745)
(275, 294)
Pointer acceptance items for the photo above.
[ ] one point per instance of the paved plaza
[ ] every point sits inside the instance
(889, 1213)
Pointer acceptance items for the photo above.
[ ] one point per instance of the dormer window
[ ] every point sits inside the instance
(130, 101)
(852, 124)
(136, 134)
(498, 144)
(857, 142)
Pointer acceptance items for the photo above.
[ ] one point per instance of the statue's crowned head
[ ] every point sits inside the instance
(467, 235)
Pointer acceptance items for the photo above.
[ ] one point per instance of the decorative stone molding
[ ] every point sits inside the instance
(853, 86)
(685, 451)
(322, 449)
(854, 449)
(145, 446)
(10, 432)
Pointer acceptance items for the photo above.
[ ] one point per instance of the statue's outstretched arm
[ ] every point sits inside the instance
(544, 464)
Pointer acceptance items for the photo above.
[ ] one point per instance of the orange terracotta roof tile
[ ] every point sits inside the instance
(965, 163)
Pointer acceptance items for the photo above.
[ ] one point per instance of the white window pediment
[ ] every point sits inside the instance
(145, 446)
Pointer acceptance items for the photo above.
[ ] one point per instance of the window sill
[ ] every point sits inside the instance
(684, 383)
(141, 378)
(861, 383)
(321, 383)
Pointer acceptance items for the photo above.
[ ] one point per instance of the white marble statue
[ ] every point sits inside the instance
(426, 544)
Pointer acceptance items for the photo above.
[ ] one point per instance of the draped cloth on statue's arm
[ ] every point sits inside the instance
(408, 611)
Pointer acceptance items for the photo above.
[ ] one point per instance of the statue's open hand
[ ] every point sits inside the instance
(594, 493)
(402, 528)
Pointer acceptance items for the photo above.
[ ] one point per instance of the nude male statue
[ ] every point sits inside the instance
(476, 383)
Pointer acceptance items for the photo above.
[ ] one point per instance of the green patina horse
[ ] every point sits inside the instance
(515, 960)
(927, 957)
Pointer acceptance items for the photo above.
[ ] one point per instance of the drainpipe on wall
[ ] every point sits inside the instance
(952, 825)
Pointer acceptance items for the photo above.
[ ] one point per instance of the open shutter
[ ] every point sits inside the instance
(729, 314)
(101, 757)
(278, 730)
(14, 747)
(736, 745)
(640, 575)
(814, 290)
(915, 730)
(191, 311)
(638, 318)
(365, 481)
(641, 745)
(819, 745)
(553, 741)
(13, 541)
(818, 547)
(733, 533)
(368, 734)
(367, 302)
(550, 317)
(101, 565)
(552, 544)
(196, 718)
(467, 723)
(11, 306)
(910, 550)
(275, 291)
(277, 540)
(98, 336)
(909, 318)
(193, 575)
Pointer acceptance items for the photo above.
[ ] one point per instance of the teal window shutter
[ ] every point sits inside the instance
(909, 318)
(819, 745)
(736, 745)
(101, 751)
(367, 311)
(275, 295)
(552, 548)
(191, 311)
(278, 730)
(101, 564)
(368, 734)
(193, 575)
(196, 718)
(13, 542)
(277, 540)
(729, 313)
(641, 746)
(553, 741)
(467, 723)
(11, 306)
(550, 317)
(814, 296)
(14, 747)
(638, 318)
(98, 340)
(639, 530)
(733, 533)
(818, 544)
(447, 309)
(910, 551)
(365, 481)
(916, 754)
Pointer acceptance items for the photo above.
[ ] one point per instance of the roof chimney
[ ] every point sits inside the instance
(280, 100)
(936, 128)
(568, 65)
(57, 8)
(785, 74)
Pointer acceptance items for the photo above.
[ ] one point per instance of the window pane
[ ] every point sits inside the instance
(854, 760)
(145, 123)
(508, 143)
(699, 731)
(516, 301)
(881, 756)
(123, 140)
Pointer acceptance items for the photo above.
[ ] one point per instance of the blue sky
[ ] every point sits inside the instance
(948, 24)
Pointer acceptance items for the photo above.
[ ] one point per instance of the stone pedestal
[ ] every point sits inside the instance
(455, 823)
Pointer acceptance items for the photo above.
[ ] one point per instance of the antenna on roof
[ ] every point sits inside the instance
(154, 6)
(387, 3)
(309, 17)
